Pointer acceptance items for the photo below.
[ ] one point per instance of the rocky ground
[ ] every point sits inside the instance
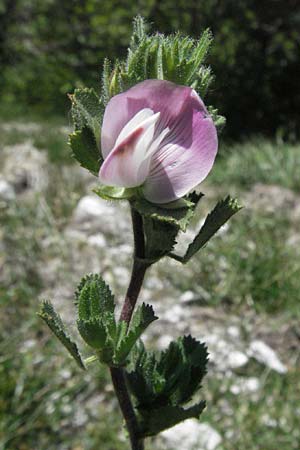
(76, 232)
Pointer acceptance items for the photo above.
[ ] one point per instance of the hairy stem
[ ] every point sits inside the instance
(118, 375)
(119, 382)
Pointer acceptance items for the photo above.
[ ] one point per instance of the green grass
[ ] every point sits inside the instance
(49, 136)
(46, 402)
(258, 161)
(264, 420)
(268, 275)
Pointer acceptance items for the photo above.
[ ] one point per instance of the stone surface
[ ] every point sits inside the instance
(266, 355)
(25, 167)
(191, 435)
(93, 215)
(7, 191)
(245, 386)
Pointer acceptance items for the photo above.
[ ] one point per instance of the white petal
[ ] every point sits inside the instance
(127, 165)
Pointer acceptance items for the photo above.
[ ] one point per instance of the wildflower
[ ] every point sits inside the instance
(157, 136)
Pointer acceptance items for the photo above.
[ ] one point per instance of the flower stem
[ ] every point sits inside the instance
(118, 375)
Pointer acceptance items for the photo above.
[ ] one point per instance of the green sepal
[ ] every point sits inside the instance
(214, 221)
(115, 193)
(54, 322)
(153, 421)
(162, 223)
(142, 318)
(175, 58)
(219, 121)
(177, 213)
(85, 150)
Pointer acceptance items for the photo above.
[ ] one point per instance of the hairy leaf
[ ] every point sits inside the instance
(170, 377)
(218, 216)
(142, 318)
(54, 322)
(156, 420)
(85, 150)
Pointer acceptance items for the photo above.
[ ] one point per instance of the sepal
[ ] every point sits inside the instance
(175, 58)
(56, 325)
(115, 193)
(162, 223)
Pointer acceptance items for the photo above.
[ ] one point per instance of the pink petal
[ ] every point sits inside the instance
(157, 95)
(185, 157)
(128, 164)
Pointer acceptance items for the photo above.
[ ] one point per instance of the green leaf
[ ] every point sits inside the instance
(85, 150)
(163, 222)
(93, 332)
(87, 111)
(153, 421)
(215, 219)
(142, 318)
(177, 213)
(94, 297)
(198, 54)
(54, 322)
(171, 377)
(106, 75)
(160, 238)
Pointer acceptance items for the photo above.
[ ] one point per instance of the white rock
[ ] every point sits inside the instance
(175, 314)
(91, 207)
(245, 386)
(264, 354)
(97, 240)
(7, 192)
(191, 435)
(26, 167)
(223, 353)
(163, 342)
(236, 359)
(233, 331)
(187, 296)
(94, 215)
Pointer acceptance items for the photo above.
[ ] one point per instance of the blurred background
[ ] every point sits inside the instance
(240, 295)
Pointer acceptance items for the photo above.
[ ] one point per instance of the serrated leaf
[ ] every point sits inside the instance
(54, 322)
(87, 111)
(163, 222)
(93, 332)
(214, 221)
(85, 150)
(177, 213)
(153, 421)
(160, 238)
(142, 318)
(93, 297)
(171, 377)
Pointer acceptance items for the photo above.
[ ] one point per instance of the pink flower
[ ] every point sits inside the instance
(159, 136)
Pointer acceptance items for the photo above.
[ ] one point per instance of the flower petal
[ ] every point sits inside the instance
(127, 165)
(157, 95)
(184, 159)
